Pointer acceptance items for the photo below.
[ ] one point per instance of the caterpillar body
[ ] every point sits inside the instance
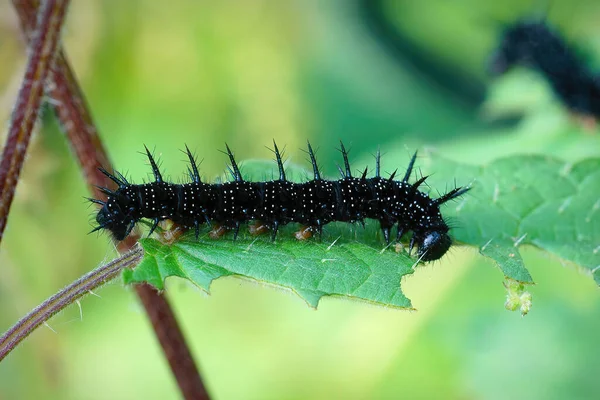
(278, 202)
(534, 44)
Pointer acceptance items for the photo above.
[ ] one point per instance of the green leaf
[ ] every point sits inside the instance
(514, 201)
(529, 200)
(310, 269)
(339, 265)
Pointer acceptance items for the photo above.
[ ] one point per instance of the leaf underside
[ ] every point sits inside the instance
(514, 201)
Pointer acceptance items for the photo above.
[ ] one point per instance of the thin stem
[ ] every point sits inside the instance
(71, 108)
(74, 116)
(41, 55)
(173, 343)
(66, 297)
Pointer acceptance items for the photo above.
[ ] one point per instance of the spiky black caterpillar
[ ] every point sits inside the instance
(278, 202)
(533, 43)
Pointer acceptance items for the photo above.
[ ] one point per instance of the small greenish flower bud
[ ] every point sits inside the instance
(517, 298)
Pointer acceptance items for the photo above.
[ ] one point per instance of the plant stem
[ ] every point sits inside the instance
(70, 107)
(74, 116)
(66, 297)
(173, 343)
(41, 55)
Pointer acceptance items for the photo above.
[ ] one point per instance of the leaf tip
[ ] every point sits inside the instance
(311, 297)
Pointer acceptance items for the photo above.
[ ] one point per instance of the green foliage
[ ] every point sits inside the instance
(312, 270)
(514, 201)
(534, 200)
(520, 200)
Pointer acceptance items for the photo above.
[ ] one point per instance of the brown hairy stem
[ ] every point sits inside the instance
(66, 297)
(71, 108)
(44, 43)
(173, 343)
(74, 116)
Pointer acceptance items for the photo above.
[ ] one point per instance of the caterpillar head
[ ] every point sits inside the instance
(112, 217)
(116, 214)
(433, 245)
(433, 239)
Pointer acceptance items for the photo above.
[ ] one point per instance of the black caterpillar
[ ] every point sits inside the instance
(536, 45)
(278, 202)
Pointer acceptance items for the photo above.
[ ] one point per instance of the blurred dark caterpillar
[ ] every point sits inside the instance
(534, 44)
(275, 203)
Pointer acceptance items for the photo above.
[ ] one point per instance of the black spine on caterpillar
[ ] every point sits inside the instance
(534, 44)
(278, 202)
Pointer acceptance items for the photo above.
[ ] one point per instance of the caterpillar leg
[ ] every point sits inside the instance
(257, 228)
(305, 232)
(169, 236)
(217, 231)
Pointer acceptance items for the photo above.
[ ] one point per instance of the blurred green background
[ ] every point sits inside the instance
(399, 74)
